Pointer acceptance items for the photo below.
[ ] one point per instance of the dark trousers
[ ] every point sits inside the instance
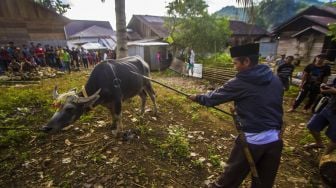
(266, 158)
(285, 82)
(85, 63)
(312, 90)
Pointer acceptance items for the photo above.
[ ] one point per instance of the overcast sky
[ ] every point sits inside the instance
(96, 10)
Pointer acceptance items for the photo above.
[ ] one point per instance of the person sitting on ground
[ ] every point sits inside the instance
(285, 72)
(28, 66)
(313, 75)
(323, 119)
(14, 67)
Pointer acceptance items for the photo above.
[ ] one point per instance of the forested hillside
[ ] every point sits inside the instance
(277, 11)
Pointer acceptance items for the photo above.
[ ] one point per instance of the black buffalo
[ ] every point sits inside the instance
(109, 84)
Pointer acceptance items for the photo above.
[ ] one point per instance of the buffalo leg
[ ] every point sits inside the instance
(115, 110)
(149, 90)
(143, 97)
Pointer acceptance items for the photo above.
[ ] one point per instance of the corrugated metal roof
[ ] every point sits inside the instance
(242, 28)
(324, 21)
(315, 28)
(79, 25)
(93, 31)
(156, 23)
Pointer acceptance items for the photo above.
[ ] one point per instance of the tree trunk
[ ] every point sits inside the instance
(327, 169)
(121, 29)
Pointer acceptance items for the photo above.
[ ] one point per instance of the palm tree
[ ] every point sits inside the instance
(121, 28)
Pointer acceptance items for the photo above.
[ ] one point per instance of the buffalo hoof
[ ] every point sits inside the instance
(46, 129)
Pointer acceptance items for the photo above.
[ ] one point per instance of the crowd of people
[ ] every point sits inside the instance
(17, 60)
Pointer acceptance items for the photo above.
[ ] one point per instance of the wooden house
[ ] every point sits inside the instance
(80, 32)
(146, 35)
(24, 21)
(306, 34)
(243, 33)
(147, 27)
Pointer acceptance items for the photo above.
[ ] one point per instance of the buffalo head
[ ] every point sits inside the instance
(70, 107)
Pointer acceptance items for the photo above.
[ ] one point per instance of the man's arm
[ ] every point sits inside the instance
(232, 90)
(328, 89)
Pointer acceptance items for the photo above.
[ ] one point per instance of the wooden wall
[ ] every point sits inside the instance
(310, 46)
(22, 21)
(307, 46)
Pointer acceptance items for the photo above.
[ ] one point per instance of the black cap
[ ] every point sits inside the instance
(245, 50)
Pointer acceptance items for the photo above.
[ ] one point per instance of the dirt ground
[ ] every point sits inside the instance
(184, 146)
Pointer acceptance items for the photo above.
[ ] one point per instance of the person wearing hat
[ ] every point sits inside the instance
(257, 95)
(314, 75)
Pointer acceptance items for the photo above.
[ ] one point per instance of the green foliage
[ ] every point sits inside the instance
(332, 26)
(218, 59)
(143, 128)
(86, 118)
(332, 29)
(197, 163)
(213, 157)
(13, 137)
(96, 157)
(176, 145)
(267, 13)
(56, 5)
(195, 27)
(187, 8)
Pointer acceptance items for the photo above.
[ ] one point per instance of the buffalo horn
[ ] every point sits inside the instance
(87, 99)
(55, 93)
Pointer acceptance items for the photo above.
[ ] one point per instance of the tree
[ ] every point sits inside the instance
(56, 5)
(332, 27)
(121, 28)
(192, 26)
(273, 12)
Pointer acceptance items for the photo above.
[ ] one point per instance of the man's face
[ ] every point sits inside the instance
(319, 60)
(241, 65)
(289, 59)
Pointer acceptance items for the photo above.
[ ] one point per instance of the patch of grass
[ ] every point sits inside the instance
(308, 138)
(176, 145)
(195, 117)
(65, 184)
(213, 157)
(144, 129)
(292, 92)
(96, 157)
(88, 117)
(13, 137)
(197, 164)
(287, 150)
